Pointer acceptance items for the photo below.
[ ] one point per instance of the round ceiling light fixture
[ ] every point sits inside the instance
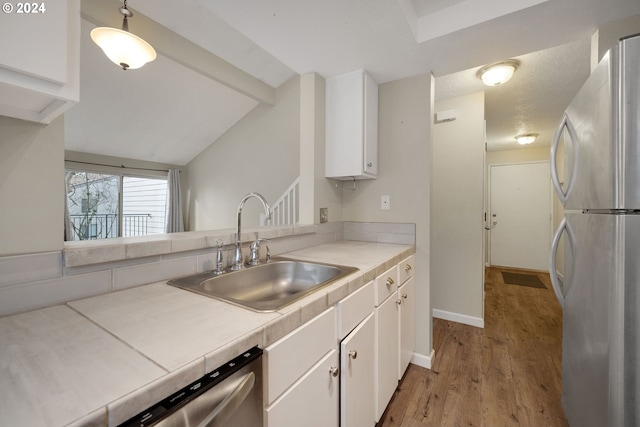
(526, 139)
(498, 73)
(121, 47)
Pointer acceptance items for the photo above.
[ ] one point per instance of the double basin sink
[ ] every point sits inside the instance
(265, 287)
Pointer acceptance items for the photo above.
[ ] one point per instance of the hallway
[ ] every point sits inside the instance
(507, 374)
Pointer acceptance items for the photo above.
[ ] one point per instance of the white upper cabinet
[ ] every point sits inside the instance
(39, 59)
(351, 127)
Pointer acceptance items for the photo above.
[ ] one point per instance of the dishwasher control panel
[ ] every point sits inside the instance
(180, 398)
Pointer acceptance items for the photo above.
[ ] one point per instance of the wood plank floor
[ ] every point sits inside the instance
(507, 374)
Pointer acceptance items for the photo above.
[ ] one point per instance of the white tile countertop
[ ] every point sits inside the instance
(100, 360)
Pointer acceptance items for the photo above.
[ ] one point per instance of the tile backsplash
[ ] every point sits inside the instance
(91, 268)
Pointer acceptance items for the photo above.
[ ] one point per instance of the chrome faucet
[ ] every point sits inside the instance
(238, 259)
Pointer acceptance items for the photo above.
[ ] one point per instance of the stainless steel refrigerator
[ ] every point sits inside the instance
(600, 281)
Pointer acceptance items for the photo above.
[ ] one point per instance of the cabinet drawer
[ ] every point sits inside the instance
(406, 269)
(312, 400)
(386, 284)
(354, 308)
(291, 356)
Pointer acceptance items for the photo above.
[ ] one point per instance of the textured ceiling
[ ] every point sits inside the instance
(533, 100)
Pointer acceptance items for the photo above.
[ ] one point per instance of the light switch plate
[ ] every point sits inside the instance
(324, 215)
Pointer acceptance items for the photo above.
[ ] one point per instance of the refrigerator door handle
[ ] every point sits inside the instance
(564, 123)
(553, 271)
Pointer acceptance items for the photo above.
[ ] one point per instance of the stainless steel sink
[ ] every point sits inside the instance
(265, 287)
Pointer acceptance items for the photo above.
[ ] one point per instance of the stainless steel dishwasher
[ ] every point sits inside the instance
(229, 396)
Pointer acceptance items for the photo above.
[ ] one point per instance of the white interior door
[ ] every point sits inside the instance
(520, 215)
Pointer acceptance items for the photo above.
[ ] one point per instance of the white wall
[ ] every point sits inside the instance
(404, 150)
(457, 270)
(31, 186)
(260, 154)
(609, 34)
(316, 191)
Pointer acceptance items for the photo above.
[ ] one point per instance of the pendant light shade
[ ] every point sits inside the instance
(121, 47)
(498, 73)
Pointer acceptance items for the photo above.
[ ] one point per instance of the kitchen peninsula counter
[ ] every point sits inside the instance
(100, 360)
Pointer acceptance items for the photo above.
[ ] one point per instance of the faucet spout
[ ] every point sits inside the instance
(238, 259)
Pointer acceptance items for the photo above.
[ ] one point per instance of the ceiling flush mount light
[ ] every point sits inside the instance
(121, 47)
(498, 73)
(526, 139)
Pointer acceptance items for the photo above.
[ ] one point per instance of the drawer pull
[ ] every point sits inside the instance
(407, 268)
(334, 371)
(390, 281)
(353, 354)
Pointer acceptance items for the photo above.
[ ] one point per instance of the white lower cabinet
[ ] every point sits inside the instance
(312, 381)
(386, 360)
(407, 315)
(312, 401)
(356, 379)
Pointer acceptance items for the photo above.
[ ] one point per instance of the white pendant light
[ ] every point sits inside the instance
(526, 139)
(121, 47)
(498, 73)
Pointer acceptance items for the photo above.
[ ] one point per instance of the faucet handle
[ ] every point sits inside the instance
(219, 259)
(254, 254)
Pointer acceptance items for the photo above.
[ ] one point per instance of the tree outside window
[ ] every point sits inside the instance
(103, 206)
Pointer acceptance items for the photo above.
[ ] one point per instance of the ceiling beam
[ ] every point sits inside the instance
(179, 49)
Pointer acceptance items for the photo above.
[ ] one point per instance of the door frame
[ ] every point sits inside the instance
(487, 221)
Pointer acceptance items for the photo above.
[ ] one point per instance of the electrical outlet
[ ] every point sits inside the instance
(385, 202)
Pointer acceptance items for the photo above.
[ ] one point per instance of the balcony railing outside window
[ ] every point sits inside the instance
(104, 226)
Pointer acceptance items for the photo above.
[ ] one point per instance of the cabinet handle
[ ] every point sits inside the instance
(369, 164)
(390, 281)
(404, 296)
(398, 301)
(334, 371)
(407, 268)
(353, 354)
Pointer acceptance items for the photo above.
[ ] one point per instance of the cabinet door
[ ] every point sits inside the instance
(351, 140)
(312, 401)
(407, 294)
(356, 379)
(370, 126)
(386, 361)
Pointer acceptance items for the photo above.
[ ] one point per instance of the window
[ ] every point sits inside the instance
(103, 206)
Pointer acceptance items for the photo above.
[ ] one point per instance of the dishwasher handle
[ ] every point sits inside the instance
(230, 404)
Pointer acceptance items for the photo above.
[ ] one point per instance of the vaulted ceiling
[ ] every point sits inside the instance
(169, 110)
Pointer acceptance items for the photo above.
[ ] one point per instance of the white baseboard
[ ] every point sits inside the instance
(458, 318)
(422, 360)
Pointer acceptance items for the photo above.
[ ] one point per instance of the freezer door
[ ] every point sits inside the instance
(600, 324)
(600, 135)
